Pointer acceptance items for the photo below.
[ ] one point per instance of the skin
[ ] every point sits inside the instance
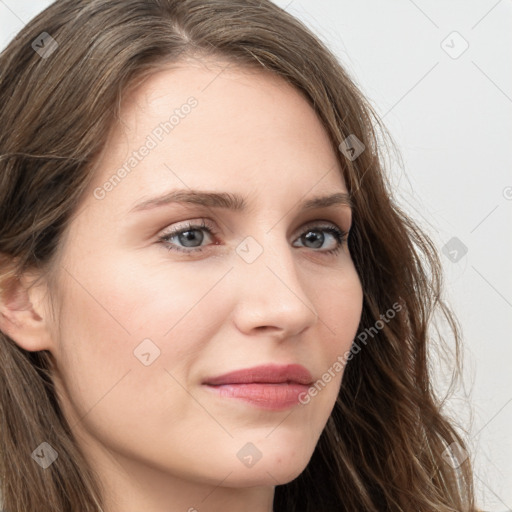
(158, 439)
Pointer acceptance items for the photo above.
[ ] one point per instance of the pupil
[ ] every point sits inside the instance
(312, 235)
(189, 236)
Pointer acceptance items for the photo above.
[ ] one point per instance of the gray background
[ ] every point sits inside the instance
(450, 114)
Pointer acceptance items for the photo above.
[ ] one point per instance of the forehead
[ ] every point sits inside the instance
(212, 125)
(239, 100)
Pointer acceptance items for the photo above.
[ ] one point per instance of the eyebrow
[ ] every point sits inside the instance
(233, 201)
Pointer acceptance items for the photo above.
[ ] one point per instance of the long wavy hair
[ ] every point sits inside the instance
(385, 445)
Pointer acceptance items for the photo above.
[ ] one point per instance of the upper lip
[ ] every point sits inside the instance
(264, 374)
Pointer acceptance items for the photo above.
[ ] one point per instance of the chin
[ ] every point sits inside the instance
(264, 476)
(278, 464)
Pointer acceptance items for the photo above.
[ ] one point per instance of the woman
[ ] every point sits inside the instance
(209, 299)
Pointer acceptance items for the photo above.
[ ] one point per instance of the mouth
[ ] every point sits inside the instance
(271, 387)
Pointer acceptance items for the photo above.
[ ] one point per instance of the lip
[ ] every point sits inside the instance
(271, 387)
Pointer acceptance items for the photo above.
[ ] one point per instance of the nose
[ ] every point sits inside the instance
(271, 295)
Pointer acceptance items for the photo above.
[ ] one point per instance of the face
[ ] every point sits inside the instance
(159, 297)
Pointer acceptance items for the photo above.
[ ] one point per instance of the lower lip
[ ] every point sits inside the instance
(274, 397)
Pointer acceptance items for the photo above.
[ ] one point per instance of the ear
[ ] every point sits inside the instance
(23, 315)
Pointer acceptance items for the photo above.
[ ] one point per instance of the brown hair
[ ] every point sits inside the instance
(384, 447)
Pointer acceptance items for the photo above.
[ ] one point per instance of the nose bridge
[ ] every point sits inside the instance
(271, 291)
(267, 256)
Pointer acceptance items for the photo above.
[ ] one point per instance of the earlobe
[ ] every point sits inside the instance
(22, 315)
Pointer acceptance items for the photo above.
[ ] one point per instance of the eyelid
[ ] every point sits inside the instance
(188, 224)
(319, 223)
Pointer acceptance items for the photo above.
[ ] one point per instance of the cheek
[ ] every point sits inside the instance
(340, 307)
(118, 316)
(339, 304)
(157, 297)
(105, 388)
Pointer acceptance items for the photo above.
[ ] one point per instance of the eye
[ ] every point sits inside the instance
(189, 238)
(315, 236)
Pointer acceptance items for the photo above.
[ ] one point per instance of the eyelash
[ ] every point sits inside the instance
(340, 236)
